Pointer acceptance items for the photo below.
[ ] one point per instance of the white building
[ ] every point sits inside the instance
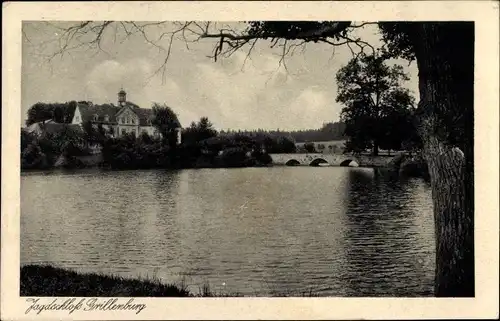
(126, 118)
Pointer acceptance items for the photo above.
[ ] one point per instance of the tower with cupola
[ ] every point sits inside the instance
(122, 97)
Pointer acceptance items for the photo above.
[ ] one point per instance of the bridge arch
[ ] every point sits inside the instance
(349, 162)
(317, 161)
(292, 162)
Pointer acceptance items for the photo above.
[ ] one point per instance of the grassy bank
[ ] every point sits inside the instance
(44, 280)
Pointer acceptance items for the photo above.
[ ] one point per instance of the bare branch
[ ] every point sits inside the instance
(248, 53)
(294, 46)
(26, 36)
(363, 24)
(329, 34)
(283, 56)
(228, 38)
(358, 42)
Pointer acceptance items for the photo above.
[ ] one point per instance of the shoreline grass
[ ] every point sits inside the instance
(47, 280)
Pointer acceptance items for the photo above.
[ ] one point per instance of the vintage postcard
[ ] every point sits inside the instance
(250, 160)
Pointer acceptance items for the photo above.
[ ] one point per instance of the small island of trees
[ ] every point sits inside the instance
(61, 144)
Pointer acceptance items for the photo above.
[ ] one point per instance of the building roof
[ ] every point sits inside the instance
(88, 111)
(145, 115)
(50, 127)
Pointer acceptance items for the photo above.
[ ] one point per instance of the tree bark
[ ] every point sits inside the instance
(375, 149)
(445, 58)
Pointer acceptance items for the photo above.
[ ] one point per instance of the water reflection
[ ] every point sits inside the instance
(254, 231)
(381, 214)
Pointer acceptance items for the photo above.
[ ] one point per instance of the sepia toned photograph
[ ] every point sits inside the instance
(248, 158)
(261, 158)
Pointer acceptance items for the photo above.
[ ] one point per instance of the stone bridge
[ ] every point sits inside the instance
(315, 159)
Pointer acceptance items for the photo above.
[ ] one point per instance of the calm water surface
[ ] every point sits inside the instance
(254, 231)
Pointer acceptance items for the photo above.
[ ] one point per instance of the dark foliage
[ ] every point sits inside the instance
(234, 157)
(201, 147)
(165, 120)
(397, 38)
(309, 147)
(129, 152)
(59, 112)
(42, 151)
(377, 111)
(198, 131)
(291, 30)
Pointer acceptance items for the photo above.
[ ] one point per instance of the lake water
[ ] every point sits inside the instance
(331, 231)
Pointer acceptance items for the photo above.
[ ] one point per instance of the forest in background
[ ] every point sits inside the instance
(329, 131)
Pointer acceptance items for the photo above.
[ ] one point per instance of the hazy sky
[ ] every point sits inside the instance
(256, 95)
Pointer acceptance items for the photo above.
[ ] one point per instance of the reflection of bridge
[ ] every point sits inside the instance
(315, 159)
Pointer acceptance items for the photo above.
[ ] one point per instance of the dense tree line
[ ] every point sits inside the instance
(329, 131)
(202, 146)
(59, 112)
(43, 151)
(378, 111)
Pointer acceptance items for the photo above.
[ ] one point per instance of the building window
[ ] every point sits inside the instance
(77, 118)
(106, 118)
(124, 132)
(133, 132)
(133, 121)
(96, 117)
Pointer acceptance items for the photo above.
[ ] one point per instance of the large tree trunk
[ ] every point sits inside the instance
(375, 149)
(445, 57)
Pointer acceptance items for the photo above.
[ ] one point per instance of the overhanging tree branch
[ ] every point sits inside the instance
(230, 39)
